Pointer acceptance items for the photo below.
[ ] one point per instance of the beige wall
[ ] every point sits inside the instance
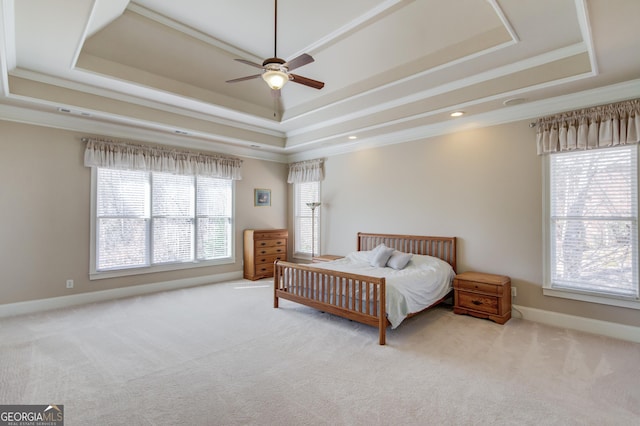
(44, 219)
(482, 186)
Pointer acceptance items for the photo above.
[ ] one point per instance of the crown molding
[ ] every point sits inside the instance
(189, 107)
(603, 95)
(582, 14)
(123, 131)
(495, 73)
(7, 44)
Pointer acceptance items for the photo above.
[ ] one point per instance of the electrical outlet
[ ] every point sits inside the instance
(514, 292)
(69, 283)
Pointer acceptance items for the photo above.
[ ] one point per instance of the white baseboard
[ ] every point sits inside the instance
(588, 325)
(40, 305)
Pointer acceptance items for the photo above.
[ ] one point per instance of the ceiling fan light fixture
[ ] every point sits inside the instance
(275, 71)
(276, 79)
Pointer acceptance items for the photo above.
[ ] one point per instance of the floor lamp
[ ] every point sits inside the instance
(313, 206)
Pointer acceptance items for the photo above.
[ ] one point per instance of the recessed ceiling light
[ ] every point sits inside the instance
(457, 114)
(353, 137)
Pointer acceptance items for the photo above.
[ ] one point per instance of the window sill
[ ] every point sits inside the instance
(98, 275)
(565, 294)
(302, 256)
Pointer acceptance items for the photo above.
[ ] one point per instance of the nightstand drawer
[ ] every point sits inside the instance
(478, 287)
(483, 296)
(478, 302)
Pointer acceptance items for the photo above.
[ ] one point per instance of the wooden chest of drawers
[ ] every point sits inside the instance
(483, 295)
(262, 247)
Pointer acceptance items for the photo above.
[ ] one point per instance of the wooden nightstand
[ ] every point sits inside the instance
(325, 258)
(483, 296)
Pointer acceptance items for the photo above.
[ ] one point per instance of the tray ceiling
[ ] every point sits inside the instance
(393, 70)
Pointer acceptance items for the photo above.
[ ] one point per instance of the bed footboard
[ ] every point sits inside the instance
(356, 297)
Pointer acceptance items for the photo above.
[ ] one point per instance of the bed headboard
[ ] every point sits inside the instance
(441, 247)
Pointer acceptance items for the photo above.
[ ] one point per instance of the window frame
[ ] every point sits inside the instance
(296, 216)
(548, 288)
(95, 274)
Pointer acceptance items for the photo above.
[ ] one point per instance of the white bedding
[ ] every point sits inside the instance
(421, 283)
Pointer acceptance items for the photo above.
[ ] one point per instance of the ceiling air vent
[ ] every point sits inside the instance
(74, 112)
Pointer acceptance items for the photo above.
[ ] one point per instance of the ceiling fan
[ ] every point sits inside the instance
(276, 71)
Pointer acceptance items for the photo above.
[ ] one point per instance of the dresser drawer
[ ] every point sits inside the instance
(264, 269)
(262, 251)
(477, 286)
(478, 302)
(280, 242)
(270, 258)
(270, 235)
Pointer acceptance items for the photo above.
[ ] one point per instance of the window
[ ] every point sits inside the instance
(592, 226)
(306, 193)
(150, 221)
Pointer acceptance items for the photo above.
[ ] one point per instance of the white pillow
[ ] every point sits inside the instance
(372, 253)
(399, 260)
(380, 255)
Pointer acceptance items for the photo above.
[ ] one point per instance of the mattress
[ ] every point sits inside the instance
(424, 281)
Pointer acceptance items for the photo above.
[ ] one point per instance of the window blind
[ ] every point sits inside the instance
(146, 219)
(173, 210)
(593, 221)
(306, 193)
(214, 204)
(122, 208)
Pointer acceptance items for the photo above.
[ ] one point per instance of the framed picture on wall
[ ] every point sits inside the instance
(262, 197)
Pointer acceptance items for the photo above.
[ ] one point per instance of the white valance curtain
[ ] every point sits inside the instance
(597, 127)
(306, 171)
(124, 155)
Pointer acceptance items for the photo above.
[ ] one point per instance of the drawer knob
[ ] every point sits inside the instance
(476, 302)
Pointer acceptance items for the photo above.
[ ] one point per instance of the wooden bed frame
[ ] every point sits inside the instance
(334, 292)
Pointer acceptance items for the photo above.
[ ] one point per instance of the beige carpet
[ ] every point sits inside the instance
(221, 355)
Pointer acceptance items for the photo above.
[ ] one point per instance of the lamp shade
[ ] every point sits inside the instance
(275, 79)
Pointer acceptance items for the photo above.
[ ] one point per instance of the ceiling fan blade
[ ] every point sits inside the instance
(306, 81)
(253, 64)
(299, 61)
(250, 77)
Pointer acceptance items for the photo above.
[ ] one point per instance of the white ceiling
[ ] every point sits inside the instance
(393, 69)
